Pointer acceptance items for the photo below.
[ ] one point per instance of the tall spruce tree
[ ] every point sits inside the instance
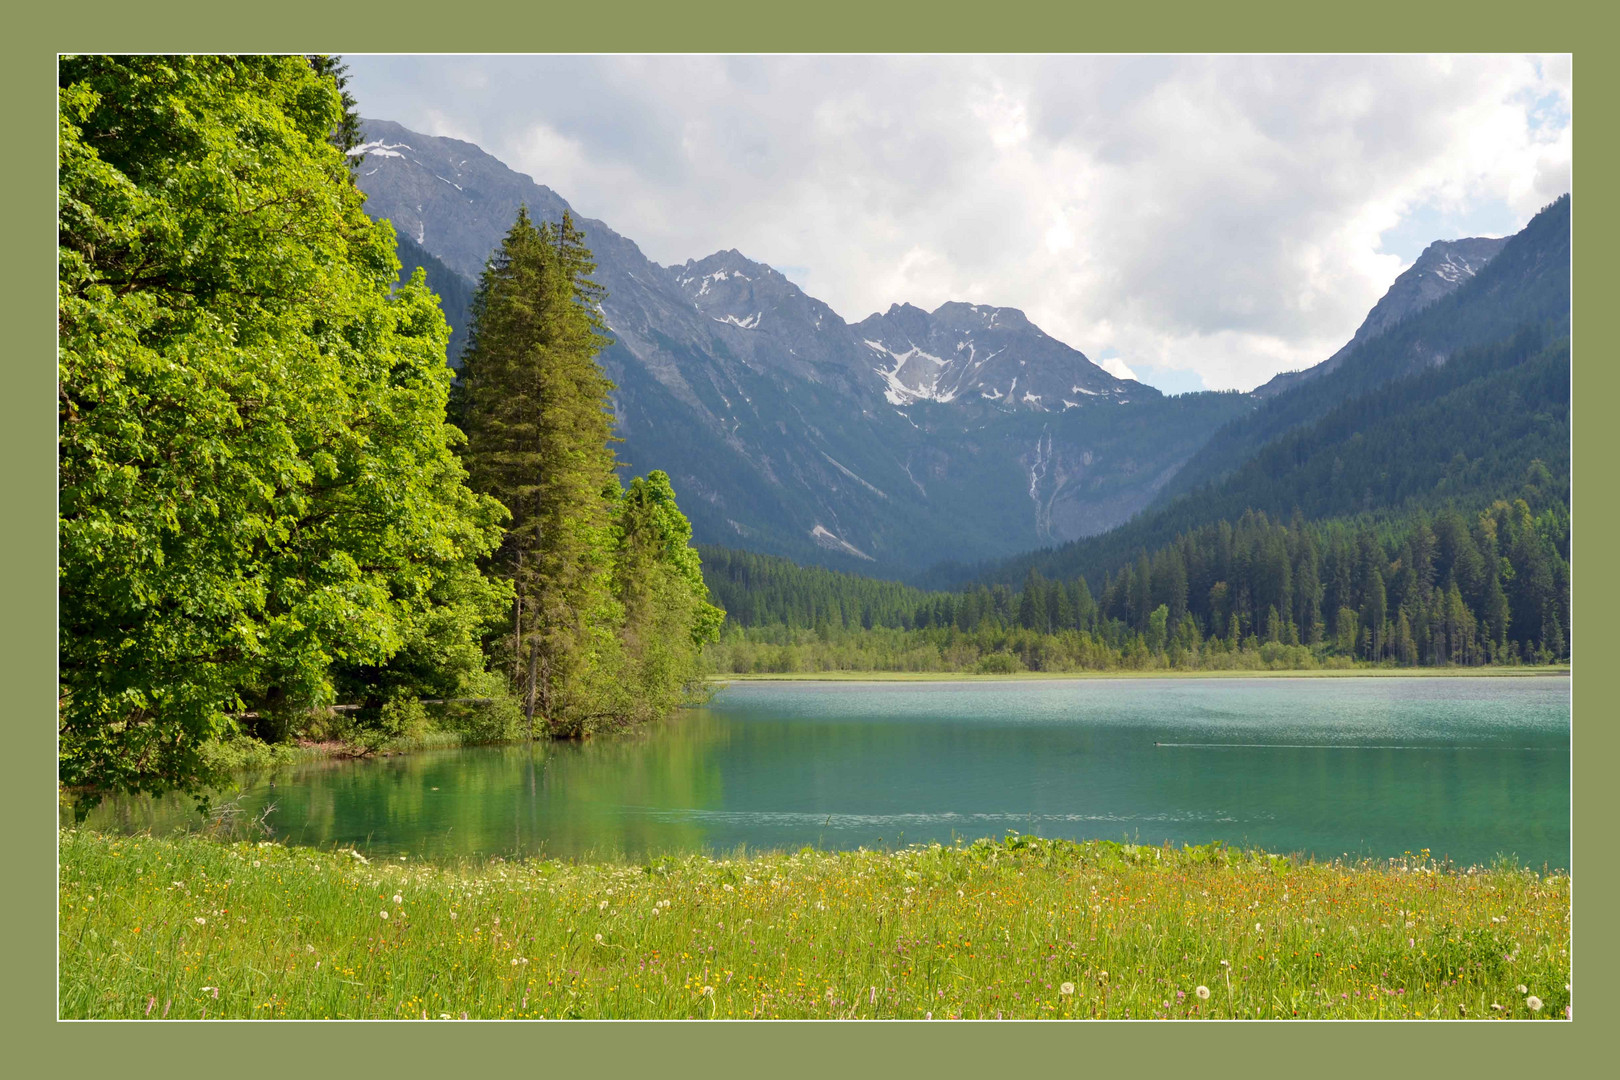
(610, 610)
(534, 405)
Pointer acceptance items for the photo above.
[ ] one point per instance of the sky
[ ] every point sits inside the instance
(1195, 222)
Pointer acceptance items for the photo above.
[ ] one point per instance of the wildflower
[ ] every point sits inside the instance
(599, 939)
(199, 920)
(398, 899)
(1534, 1003)
(255, 862)
(1521, 988)
(1066, 988)
(384, 914)
(1411, 943)
(602, 906)
(708, 991)
(212, 990)
(1202, 992)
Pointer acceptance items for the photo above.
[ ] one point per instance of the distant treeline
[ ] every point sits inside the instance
(1491, 587)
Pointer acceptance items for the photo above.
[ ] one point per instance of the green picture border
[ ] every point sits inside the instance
(28, 900)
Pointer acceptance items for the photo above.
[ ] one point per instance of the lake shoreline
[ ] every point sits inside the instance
(1527, 671)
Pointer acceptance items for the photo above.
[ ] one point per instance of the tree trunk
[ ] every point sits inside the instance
(528, 698)
(517, 620)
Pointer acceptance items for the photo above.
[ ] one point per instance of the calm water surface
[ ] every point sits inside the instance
(1470, 768)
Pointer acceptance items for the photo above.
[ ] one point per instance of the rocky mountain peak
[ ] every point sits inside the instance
(1442, 267)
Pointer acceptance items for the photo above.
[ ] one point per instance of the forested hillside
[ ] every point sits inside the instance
(1526, 284)
(1460, 435)
(1489, 587)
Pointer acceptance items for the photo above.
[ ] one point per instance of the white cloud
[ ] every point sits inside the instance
(1223, 215)
(1117, 368)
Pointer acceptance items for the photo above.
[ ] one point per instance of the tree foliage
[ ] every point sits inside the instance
(1454, 588)
(610, 608)
(259, 491)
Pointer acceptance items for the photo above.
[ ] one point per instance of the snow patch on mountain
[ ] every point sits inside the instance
(380, 149)
(830, 540)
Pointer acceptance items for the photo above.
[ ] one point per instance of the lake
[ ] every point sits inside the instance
(1470, 768)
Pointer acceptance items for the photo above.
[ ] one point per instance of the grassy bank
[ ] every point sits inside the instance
(1492, 671)
(1020, 928)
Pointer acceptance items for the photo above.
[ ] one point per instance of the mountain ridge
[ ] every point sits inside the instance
(783, 429)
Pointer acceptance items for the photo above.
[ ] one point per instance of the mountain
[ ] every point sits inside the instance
(908, 438)
(1438, 271)
(1462, 402)
(968, 350)
(1526, 281)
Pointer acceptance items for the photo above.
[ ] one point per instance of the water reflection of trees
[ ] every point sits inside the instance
(568, 800)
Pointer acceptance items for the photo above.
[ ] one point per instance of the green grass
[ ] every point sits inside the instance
(1020, 928)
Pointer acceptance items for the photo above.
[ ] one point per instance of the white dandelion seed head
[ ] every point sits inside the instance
(598, 939)
(1534, 1003)
(199, 920)
(1202, 992)
(384, 914)
(1521, 988)
(1066, 989)
(398, 899)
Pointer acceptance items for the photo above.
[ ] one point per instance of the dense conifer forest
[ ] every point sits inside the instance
(1451, 589)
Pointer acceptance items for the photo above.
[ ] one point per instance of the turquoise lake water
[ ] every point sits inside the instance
(1470, 768)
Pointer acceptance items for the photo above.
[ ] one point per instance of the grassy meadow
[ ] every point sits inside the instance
(1019, 928)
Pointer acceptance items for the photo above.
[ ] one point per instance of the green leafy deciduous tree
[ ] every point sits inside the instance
(258, 485)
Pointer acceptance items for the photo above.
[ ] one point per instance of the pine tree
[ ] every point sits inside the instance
(535, 408)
